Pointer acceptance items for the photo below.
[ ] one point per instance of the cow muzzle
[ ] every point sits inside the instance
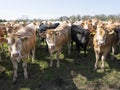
(52, 47)
(101, 42)
(15, 55)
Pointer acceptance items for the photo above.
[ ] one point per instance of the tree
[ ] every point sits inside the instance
(86, 17)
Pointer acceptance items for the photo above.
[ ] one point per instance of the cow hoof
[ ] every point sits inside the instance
(58, 66)
(95, 69)
(51, 65)
(1, 60)
(103, 70)
(14, 81)
(112, 58)
(33, 60)
(26, 78)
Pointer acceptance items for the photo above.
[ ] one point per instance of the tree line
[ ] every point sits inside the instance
(86, 17)
(102, 17)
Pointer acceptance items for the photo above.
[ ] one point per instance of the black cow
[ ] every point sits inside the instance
(53, 26)
(80, 36)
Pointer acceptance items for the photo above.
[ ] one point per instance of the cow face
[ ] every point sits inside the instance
(101, 36)
(51, 39)
(85, 26)
(15, 44)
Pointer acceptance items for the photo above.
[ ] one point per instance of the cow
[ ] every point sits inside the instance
(103, 41)
(80, 36)
(45, 27)
(2, 42)
(19, 45)
(10, 29)
(56, 38)
(90, 25)
(3, 33)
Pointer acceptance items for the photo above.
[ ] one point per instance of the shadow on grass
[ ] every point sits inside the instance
(73, 73)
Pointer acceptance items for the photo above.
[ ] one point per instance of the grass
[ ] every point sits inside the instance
(73, 73)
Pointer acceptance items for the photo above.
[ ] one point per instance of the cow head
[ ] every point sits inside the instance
(101, 35)
(15, 42)
(51, 36)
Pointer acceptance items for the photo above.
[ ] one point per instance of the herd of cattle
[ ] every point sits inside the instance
(21, 39)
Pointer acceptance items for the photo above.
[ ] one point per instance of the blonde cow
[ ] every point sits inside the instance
(20, 44)
(56, 38)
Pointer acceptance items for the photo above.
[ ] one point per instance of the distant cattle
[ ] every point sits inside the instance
(19, 45)
(56, 38)
(103, 41)
(80, 36)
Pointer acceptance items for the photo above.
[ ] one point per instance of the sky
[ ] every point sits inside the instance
(46, 9)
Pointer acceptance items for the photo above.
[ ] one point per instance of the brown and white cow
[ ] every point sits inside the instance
(2, 34)
(56, 38)
(19, 45)
(10, 29)
(103, 41)
(2, 42)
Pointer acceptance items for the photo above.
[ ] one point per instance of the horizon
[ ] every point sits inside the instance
(34, 9)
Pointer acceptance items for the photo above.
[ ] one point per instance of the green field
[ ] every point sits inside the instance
(73, 73)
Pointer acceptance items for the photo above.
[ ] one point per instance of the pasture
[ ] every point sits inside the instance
(73, 73)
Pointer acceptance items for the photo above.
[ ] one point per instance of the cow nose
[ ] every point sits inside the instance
(15, 54)
(101, 43)
(52, 47)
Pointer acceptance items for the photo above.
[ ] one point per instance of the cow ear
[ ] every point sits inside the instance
(24, 38)
(57, 33)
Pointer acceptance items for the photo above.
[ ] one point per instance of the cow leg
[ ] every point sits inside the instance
(25, 69)
(97, 55)
(113, 52)
(51, 59)
(72, 45)
(15, 67)
(103, 61)
(29, 55)
(58, 62)
(46, 46)
(78, 50)
(33, 54)
(85, 51)
(0, 57)
(2, 48)
(69, 49)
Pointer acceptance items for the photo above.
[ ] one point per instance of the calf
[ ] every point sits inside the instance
(19, 45)
(56, 38)
(80, 36)
(103, 41)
